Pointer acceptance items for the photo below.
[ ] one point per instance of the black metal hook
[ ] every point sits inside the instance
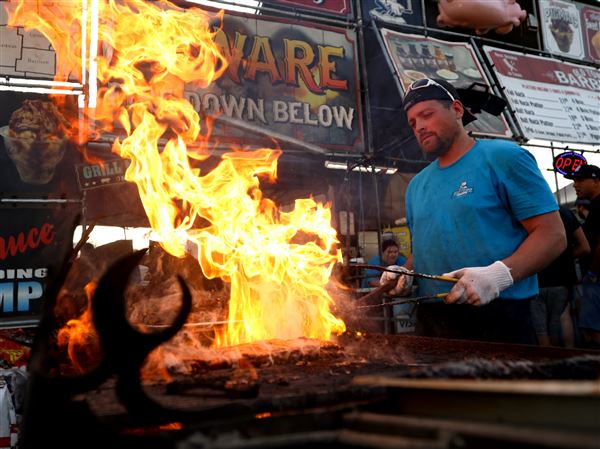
(126, 348)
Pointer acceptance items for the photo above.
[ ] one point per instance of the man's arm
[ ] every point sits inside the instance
(581, 246)
(592, 275)
(545, 242)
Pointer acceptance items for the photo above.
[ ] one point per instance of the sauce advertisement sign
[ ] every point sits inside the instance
(415, 57)
(288, 77)
(552, 100)
(33, 243)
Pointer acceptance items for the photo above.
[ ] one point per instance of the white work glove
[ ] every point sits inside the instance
(403, 284)
(479, 285)
(387, 276)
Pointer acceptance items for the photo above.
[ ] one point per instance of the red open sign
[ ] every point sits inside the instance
(567, 163)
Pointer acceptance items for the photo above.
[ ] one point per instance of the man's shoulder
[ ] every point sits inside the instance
(499, 146)
(419, 176)
(504, 156)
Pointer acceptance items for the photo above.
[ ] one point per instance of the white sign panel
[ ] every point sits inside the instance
(552, 100)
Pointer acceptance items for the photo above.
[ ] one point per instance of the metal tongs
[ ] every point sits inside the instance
(411, 273)
(390, 285)
(409, 300)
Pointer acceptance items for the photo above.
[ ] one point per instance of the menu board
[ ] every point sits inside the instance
(552, 100)
(415, 57)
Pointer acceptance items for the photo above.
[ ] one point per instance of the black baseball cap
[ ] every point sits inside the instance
(585, 172)
(433, 89)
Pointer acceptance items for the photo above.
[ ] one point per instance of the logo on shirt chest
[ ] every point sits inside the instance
(463, 190)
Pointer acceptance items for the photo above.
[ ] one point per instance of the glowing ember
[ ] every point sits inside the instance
(277, 263)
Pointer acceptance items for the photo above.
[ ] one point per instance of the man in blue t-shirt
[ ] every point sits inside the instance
(481, 213)
(390, 255)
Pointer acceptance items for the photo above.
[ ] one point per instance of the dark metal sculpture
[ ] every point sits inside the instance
(54, 416)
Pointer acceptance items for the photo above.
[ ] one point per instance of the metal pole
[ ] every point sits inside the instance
(537, 14)
(386, 310)
(348, 211)
(557, 195)
(39, 200)
(364, 79)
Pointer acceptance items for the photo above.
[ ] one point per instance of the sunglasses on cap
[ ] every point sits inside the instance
(427, 82)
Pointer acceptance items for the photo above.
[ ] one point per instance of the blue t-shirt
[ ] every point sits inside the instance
(372, 275)
(467, 214)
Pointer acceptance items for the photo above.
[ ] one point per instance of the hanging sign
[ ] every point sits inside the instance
(571, 29)
(416, 57)
(552, 100)
(566, 163)
(561, 28)
(293, 78)
(99, 174)
(33, 244)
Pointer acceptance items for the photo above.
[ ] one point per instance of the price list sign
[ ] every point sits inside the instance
(552, 100)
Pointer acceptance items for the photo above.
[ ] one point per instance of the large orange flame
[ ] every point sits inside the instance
(277, 263)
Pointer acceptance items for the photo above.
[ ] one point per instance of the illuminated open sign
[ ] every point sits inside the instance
(567, 163)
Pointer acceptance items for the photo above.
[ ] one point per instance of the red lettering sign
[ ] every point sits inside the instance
(13, 245)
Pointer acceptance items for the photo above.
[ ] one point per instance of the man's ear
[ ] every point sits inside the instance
(458, 109)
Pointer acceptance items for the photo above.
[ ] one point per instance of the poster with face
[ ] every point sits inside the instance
(37, 155)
